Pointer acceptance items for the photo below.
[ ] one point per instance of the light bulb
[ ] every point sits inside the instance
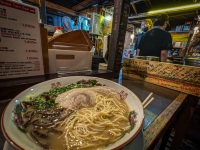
(132, 37)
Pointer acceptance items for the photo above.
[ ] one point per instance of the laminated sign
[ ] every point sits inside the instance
(20, 41)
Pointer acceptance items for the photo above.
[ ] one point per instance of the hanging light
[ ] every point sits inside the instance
(132, 37)
(108, 17)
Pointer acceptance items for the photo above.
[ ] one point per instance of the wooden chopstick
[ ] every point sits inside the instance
(148, 100)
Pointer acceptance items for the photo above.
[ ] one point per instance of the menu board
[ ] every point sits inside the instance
(20, 41)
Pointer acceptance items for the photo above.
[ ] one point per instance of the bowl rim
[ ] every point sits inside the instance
(15, 145)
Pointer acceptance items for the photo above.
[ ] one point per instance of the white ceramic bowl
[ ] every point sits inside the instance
(20, 140)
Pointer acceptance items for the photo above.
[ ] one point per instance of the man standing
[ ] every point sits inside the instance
(157, 41)
(145, 26)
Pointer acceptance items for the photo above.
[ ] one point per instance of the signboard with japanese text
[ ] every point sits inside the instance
(20, 41)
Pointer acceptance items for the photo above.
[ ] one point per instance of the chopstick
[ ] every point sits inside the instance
(148, 100)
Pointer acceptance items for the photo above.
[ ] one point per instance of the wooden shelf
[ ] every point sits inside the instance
(179, 32)
(178, 47)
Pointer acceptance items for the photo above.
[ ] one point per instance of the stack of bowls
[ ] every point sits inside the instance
(152, 58)
(192, 61)
(139, 57)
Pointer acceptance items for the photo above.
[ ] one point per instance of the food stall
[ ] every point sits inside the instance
(137, 82)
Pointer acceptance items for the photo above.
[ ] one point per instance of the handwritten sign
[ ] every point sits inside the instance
(20, 41)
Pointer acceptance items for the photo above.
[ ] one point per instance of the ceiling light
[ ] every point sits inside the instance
(175, 8)
(132, 37)
(108, 17)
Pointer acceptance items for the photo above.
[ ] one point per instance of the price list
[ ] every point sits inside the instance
(20, 41)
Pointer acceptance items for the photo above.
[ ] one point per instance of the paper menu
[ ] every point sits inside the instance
(20, 41)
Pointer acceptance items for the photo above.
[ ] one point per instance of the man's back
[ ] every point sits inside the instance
(138, 40)
(153, 41)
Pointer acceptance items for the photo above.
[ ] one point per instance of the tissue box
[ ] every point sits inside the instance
(69, 60)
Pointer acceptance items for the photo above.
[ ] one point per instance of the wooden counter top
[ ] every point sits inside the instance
(9, 88)
(160, 115)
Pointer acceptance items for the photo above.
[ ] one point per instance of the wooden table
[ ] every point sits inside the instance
(160, 115)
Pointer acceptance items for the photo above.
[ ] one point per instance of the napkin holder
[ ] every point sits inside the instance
(67, 61)
(70, 52)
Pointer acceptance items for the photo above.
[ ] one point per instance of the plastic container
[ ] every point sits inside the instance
(58, 31)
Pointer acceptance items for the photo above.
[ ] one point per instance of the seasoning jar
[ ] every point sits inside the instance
(58, 31)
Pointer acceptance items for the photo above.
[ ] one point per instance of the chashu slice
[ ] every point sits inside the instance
(107, 92)
(77, 98)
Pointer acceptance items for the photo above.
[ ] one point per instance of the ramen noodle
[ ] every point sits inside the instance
(97, 126)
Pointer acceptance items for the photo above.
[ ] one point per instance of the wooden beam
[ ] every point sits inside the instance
(135, 22)
(134, 8)
(60, 8)
(136, 1)
(149, 2)
(89, 10)
(55, 7)
(80, 5)
(119, 26)
(84, 4)
(146, 1)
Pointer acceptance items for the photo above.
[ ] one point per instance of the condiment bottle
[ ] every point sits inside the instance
(58, 31)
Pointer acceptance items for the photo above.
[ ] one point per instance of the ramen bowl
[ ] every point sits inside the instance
(20, 140)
